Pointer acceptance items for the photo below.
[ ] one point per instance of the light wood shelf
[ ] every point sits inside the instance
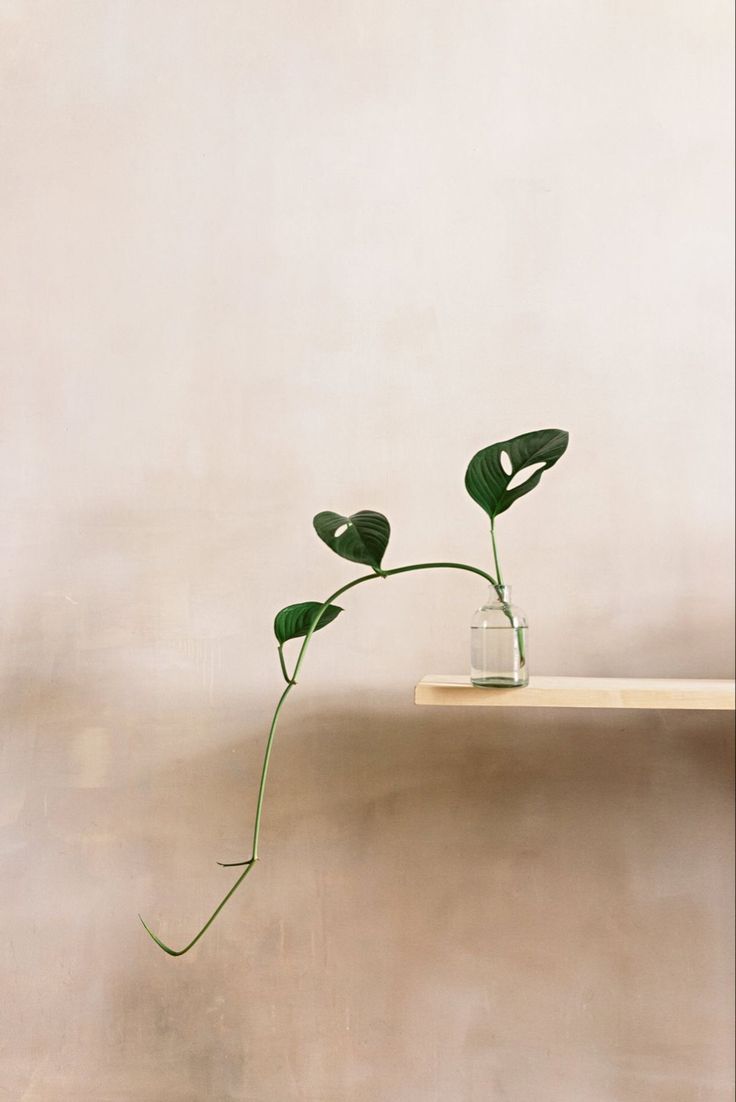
(579, 692)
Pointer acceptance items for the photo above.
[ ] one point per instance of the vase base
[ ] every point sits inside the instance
(498, 683)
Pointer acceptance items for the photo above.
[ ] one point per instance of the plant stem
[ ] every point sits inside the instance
(264, 769)
(205, 928)
(499, 574)
(284, 671)
(499, 590)
(370, 577)
(272, 730)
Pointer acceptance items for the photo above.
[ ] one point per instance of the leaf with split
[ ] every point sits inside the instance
(296, 620)
(492, 470)
(362, 537)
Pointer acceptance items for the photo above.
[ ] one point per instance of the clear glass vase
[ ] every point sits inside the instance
(499, 653)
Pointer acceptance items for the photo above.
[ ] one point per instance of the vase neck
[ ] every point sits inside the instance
(501, 593)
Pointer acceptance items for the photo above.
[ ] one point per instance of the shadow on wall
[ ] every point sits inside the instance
(503, 901)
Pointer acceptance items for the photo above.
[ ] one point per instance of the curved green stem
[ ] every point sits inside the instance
(370, 577)
(205, 928)
(264, 769)
(250, 863)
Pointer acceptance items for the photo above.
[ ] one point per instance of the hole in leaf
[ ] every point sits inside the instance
(524, 475)
(340, 529)
(506, 463)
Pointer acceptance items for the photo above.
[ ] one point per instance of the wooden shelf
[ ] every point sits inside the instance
(579, 692)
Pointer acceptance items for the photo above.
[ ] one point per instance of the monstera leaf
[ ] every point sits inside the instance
(362, 537)
(296, 620)
(492, 469)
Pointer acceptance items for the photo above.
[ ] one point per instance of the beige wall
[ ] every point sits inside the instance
(262, 259)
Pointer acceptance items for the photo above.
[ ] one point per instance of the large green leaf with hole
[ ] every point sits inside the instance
(362, 537)
(492, 469)
(296, 620)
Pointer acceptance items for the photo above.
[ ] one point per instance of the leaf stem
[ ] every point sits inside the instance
(284, 670)
(499, 590)
(496, 563)
(250, 864)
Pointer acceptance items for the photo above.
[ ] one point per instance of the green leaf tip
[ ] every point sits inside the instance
(297, 620)
(492, 469)
(361, 537)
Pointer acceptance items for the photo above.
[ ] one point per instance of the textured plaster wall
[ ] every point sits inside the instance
(262, 259)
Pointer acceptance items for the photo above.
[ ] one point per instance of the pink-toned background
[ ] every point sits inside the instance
(262, 259)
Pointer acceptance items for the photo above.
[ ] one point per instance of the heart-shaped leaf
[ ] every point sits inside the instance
(296, 620)
(492, 469)
(362, 537)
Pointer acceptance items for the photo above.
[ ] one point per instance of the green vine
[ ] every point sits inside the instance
(363, 538)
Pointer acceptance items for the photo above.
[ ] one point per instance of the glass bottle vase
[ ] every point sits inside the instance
(499, 651)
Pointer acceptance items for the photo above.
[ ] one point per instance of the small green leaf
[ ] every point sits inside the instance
(492, 469)
(296, 620)
(362, 537)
